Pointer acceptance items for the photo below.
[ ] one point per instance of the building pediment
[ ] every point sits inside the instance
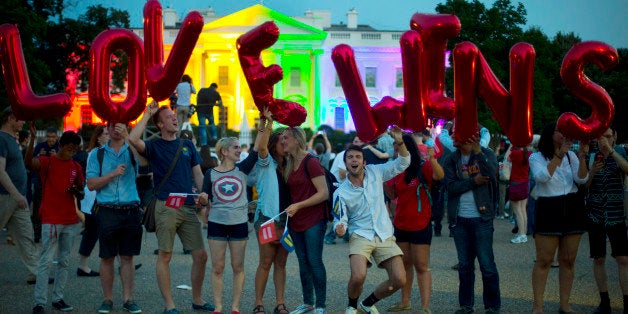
(244, 20)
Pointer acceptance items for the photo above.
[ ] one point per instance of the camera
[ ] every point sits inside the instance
(77, 191)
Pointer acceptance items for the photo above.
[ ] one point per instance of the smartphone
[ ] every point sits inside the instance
(320, 132)
(599, 157)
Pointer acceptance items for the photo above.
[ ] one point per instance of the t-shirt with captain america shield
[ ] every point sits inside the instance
(227, 192)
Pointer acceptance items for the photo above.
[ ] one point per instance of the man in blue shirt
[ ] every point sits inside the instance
(184, 222)
(359, 206)
(118, 213)
(48, 148)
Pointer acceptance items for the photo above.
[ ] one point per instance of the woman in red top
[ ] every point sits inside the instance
(413, 230)
(307, 222)
(519, 190)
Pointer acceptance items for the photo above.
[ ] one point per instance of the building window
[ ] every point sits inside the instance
(223, 75)
(370, 78)
(398, 77)
(295, 77)
(339, 118)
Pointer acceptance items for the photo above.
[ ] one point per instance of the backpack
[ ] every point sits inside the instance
(100, 154)
(332, 185)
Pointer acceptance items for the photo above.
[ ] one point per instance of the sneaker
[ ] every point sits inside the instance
(62, 306)
(106, 307)
(455, 267)
(320, 310)
(303, 308)
(38, 309)
(520, 238)
(425, 310)
(368, 309)
(351, 310)
(464, 310)
(131, 307)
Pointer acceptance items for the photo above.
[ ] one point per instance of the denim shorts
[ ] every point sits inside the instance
(220, 232)
(560, 215)
(423, 236)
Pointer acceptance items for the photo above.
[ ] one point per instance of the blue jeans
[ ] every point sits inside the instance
(202, 128)
(474, 238)
(309, 248)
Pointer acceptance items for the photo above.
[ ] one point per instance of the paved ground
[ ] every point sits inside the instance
(513, 261)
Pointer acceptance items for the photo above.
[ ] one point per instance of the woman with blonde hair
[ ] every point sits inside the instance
(307, 218)
(224, 194)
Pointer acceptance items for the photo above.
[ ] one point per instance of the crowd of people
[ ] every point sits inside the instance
(389, 201)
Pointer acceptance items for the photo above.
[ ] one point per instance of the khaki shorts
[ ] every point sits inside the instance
(182, 221)
(380, 251)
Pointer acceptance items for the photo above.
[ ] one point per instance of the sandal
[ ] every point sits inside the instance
(259, 309)
(281, 309)
(399, 308)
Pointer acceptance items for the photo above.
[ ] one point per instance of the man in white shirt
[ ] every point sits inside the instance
(359, 206)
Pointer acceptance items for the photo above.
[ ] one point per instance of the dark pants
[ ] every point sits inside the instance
(474, 239)
(90, 235)
(438, 206)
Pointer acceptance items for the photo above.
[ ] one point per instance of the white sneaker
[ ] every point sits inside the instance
(368, 309)
(303, 309)
(320, 310)
(351, 310)
(520, 238)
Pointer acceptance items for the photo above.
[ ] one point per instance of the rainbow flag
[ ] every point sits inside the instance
(286, 240)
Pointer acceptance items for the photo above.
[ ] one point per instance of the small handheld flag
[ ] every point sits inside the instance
(286, 240)
(176, 200)
(337, 211)
(267, 232)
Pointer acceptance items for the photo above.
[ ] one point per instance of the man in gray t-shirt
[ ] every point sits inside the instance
(14, 212)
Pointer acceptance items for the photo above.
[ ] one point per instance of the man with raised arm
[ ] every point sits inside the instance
(161, 153)
(359, 207)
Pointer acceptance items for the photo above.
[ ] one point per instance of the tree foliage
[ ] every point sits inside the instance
(496, 29)
(53, 44)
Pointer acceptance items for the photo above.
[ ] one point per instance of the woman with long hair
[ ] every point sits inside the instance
(560, 214)
(273, 198)
(519, 190)
(224, 194)
(413, 228)
(89, 236)
(307, 218)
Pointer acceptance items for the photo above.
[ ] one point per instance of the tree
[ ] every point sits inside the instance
(52, 44)
(494, 31)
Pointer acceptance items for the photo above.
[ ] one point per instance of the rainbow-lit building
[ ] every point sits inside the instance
(303, 51)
